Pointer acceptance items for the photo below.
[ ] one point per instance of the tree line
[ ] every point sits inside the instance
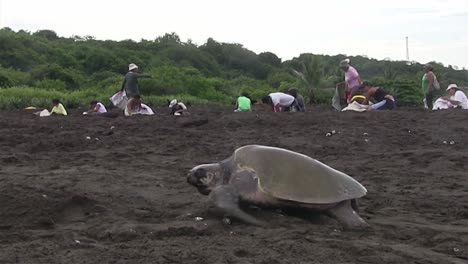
(214, 71)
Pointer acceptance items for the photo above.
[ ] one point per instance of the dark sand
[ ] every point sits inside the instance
(124, 198)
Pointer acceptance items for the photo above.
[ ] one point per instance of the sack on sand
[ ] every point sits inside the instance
(356, 107)
(440, 104)
(119, 99)
(44, 113)
(436, 83)
(336, 100)
(146, 110)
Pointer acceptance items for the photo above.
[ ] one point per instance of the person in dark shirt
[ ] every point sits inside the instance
(300, 103)
(130, 83)
(383, 100)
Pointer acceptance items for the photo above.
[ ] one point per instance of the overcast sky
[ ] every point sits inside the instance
(437, 29)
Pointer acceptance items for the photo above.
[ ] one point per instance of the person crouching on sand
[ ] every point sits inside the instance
(96, 107)
(178, 108)
(133, 106)
(136, 107)
(58, 108)
(300, 103)
(457, 99)
(243, 103)
(384, 100)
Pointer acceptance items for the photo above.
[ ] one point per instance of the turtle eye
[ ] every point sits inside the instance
(200, 173)
(208, 179)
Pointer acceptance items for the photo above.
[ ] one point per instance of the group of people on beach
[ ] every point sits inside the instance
(430, 84)
(289, 101)
(130, 95)
(358, 96)
(363, 96)
(367, 97)
(128, 99)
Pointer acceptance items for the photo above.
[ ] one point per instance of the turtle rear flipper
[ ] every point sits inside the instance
(226, 198)
(345, 214)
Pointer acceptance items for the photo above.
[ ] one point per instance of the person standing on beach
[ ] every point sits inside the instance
(352, 78)
(429, 83)
(130, 83)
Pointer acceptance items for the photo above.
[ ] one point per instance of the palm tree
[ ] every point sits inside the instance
(310, 71)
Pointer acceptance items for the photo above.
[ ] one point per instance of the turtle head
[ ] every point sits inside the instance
(205, 177)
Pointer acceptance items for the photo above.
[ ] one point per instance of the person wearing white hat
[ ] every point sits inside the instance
(130, 83)
(352, 78)
(177, 108)
(458, 98)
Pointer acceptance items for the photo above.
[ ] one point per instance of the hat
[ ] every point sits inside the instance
(132, 66)
(452, 86)
(173, 102)
(344, 63)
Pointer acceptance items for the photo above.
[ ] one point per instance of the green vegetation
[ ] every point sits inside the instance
(36, 67)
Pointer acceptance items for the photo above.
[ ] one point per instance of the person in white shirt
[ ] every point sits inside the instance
(457, 99)
(97, 107)
(177, 108)
(280, 102)
(136, 107)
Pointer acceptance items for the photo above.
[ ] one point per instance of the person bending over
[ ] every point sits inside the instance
(243, 103)
(457, 99)
(300, 103)
(133, 106)
(383, 100)
(280, 102)
(177, 108)
(96, 108)
(58, 108)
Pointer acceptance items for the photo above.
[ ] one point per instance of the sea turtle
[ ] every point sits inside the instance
(278, 178)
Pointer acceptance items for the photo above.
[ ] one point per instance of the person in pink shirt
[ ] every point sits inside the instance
(352, 78)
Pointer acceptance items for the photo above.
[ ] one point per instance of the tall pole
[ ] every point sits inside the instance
(407, 50)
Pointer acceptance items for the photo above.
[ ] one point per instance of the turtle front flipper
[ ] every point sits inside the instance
(350, 219)
(226, 198)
